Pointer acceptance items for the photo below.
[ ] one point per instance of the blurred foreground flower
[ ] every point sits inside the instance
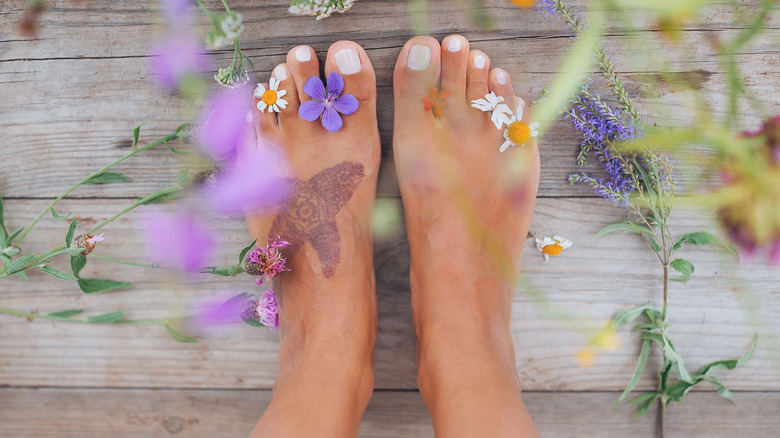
(749, 201)
(320, 8)
(177, 240)
(221, 313)
(552, 246)
(28, 25)
(175, 59)
(266, 263)
(223, 123)
(525, 4)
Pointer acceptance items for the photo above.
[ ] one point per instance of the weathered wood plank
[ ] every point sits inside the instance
(591, 281)
(209, 413)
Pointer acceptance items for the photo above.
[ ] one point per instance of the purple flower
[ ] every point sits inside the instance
(266, 263)
(266, 310)
(327, 103)
(256, 182)
(174, 58)
(178, 241)
(223, 123)
(218, 313)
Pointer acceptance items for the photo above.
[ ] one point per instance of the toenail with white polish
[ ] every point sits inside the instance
(280, 73)
(303, 54)
(479, 61)
(454, 44)
(419, 57)
(501, 78)
(348, 61)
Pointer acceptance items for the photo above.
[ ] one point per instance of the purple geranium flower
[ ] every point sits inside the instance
(327, 103)
(177, 240)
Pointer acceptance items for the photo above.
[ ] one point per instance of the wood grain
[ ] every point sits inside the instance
(590, 281)
(78, 413)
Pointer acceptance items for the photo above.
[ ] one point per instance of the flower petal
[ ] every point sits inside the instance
(314, 88)
(311, 110)
(481, 104)
(335, 84)
(261, 106)
(505, 146)
(273, 83)
(281, 93)
(259, 91)
(519, 112)
(331, 120)
(282, 103)
(346, 104)
(534, 125)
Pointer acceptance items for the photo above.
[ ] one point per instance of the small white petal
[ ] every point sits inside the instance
(519, 112)
(273, 108)
(534, 133)
(546, 257)
(481, 104)
(274, 83)
(281, 93)
(261, 106)
(534, 125)
(505, 146)
(259, 91)
(282, 103)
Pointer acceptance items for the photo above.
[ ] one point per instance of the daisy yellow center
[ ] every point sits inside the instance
(527, 4)
(270, 97)
(518, 133)
(553, 249)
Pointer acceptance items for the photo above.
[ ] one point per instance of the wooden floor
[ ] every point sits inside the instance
(69, 101)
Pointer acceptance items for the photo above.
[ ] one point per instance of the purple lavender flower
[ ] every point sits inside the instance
(174, 58)
(178, 241)
(266, 310)
(546, 6)
(266, 263)
(223, 123)
(327, 103)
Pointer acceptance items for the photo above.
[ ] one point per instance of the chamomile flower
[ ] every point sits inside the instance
(270, 98)
(492, 103)
(552, 246)
(517, 132)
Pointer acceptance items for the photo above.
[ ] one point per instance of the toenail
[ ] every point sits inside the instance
(454, 44)
(280, 73)
(501, 78)
(419, 57)
(303, 54)
(348, 61)
(479, 61)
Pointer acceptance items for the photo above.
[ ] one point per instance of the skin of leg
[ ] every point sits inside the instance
(468, 209)
(327, 302)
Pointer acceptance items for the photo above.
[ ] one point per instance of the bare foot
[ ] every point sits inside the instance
(327, 302)
(468, 208)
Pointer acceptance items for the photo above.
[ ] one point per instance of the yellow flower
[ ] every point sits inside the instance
(517, 132)
(552, 246)
(270, 98)
(525, 4)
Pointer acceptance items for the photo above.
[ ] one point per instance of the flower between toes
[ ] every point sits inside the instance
(327, 102)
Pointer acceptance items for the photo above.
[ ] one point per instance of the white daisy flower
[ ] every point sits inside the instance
(270, 98)
(491, 102)
(517, 133)
(552, 246)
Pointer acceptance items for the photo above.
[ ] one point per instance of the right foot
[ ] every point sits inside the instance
(468, 209)
(327, 302)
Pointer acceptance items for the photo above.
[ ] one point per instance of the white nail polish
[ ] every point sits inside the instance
(479, 61)
(454, 44)
(419, 57)
(501, 78)
(303, 54)
(280, 73)
(348, 61)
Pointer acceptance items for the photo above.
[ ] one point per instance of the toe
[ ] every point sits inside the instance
(265, 121)
(288, 88)
(302, 64)
(477, 75)
(418, 67)
(499, 83)
(454, 64)
(349, 60)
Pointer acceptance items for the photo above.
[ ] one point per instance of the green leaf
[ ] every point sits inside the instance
(677, 361)
(11, 238)
(623, 317)
(176, 151)
(56, 215)
(56, 273)
(722, 390)
(77, 264)
(703, 238)
(678, 389)
(161, 196)
(621, 227)
(224, 271)
(136, 134)
(71, 251)
(107, 318)
(244, 251)
(95, 285)
(644, 353)
(645, 401)
(730, 364)
(66, 313)
(252, 322)
(106, 178)
(182, 132)
(178, 336)
(18, 264)
(684, 267)
(71, 232)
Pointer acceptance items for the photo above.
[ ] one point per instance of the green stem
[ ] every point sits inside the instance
(84, 321)
(227, 8)
(121, 262)
(129, 208)
(3, 273)
(206, 10)
(97, 172)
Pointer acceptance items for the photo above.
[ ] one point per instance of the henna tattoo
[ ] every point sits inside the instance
(308, 213)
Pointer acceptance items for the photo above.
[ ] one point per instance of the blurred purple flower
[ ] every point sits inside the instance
(223, 123)
(222, 309)
(256, 182)
(174, 58)
(176, 240)
(266, 310)
(176, 11)
(327, 103)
